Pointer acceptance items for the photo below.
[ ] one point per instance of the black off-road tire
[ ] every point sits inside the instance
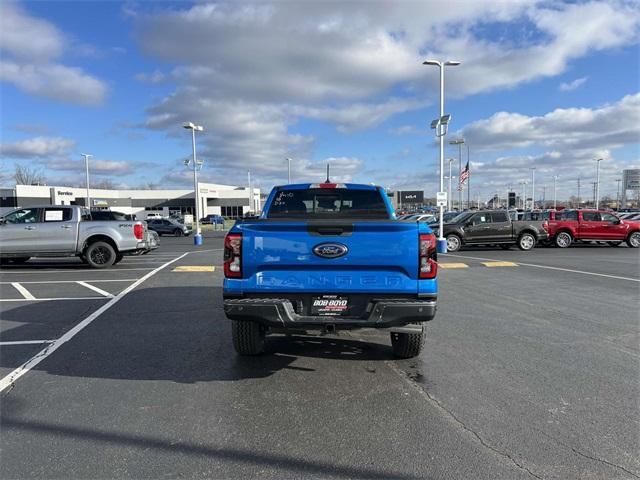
(100, 255)
(407, 345)
(248, 337)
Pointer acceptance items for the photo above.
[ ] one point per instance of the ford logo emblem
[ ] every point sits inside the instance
(330, 250)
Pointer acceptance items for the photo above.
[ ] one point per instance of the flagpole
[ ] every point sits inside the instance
(468, 179)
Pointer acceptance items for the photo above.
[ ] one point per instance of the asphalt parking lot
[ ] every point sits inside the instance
(531, 370)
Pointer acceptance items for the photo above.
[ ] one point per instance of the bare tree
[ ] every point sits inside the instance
(28, 176)
(105, 184)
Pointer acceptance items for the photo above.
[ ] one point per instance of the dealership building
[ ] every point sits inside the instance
(226, 200)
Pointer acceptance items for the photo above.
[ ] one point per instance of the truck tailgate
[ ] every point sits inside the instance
(381, 257)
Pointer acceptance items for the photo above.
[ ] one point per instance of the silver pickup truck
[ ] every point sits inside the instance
(64, 231)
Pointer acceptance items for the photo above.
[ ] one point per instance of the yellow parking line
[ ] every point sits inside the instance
(499, 264)
(194, 268)
(452, 265)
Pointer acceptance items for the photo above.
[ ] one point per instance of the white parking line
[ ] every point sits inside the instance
(74, 270)
(49, 349)
(95, 289)
(553, 268)
(26, 342)
(2, 300)
(74, 281)
(23, 291)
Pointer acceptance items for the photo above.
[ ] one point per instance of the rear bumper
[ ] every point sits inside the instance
(279, 312)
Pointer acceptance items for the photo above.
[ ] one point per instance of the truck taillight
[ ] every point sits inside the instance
(233, 255)
(138, 231)
(427, 265)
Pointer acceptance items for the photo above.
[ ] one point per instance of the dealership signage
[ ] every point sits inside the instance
(631, 179)
(414, 196)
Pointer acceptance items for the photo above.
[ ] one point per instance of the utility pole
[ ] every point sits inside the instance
(250, 192)
(86, 165)
(597, 189)
(544, 195)
(578, 192)
(533, 188)
(289, 171)
(555, 198)
(618, 180)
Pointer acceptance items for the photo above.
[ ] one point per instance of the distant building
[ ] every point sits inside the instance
(226, 200)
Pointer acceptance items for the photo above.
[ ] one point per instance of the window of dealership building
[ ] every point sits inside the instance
(226, 200)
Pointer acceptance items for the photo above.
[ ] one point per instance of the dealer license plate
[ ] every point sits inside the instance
(329, 305)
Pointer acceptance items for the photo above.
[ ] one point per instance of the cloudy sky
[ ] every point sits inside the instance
(542, 84)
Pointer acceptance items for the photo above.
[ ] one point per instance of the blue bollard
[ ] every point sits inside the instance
(197, 239)
(442, 246)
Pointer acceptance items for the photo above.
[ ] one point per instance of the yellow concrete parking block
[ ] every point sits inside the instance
(452, 265)
(194, 268)
(499, 264)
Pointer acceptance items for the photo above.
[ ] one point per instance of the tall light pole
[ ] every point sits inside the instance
(449, 202)
(555, 198)
(618, 180)
(250, 192)
(86, 166)
(288, 170)
(533, 188)
(524, 194)
(459, 142)
(442, 243)
(197, 238)
(598, 182)
(579, 192)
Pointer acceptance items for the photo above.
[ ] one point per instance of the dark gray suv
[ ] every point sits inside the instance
(167, 226)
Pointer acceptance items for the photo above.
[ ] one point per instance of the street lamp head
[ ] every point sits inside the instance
(186, 162)
(431, 62)
(458, 141)
(86, 155)
(191, 126)
(445, 119)
(435, 123)
(452, 63)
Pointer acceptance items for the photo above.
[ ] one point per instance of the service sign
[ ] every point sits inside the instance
(441, 199)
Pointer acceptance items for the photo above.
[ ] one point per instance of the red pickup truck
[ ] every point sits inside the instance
(593, 225)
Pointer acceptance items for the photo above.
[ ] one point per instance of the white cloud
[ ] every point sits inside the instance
(58, 82)
(358, 116)
(574, 84)
(153, 78)
(37, 147)
(97, 167)
(354, 65)
(609, 126)
(30, 48)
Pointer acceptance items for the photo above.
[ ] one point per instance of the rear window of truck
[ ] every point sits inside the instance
(328, 203)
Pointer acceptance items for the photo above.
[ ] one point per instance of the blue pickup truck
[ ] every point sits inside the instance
(328, 257)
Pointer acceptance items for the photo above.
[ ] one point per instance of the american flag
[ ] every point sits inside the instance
(464, 174)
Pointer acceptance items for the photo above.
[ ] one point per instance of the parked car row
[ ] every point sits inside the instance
(491, 227)
(69, 230)
(550, 227)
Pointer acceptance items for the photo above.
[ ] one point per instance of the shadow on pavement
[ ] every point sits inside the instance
(177, 334)
(169, 446)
